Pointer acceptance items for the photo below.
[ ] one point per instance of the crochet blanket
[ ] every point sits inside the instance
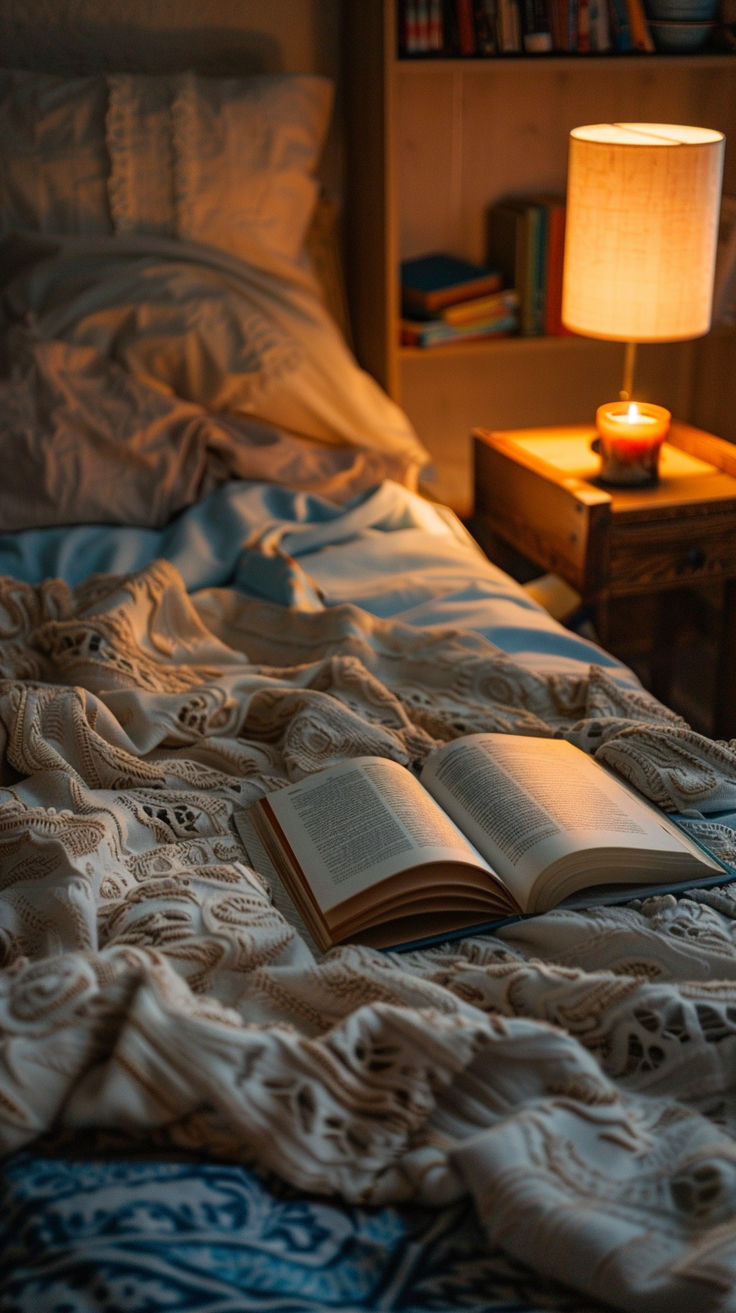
(574, 1072)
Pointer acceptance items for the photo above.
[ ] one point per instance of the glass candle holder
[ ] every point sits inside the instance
(630, 437)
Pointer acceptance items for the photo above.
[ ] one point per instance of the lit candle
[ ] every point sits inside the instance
(630, 436)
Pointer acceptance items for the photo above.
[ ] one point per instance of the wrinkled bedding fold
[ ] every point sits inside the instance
(575, 1072)
(138, 374)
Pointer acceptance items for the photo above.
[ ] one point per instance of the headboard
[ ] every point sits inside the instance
(211, 36)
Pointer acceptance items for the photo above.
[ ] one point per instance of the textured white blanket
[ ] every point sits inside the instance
(575, 1072)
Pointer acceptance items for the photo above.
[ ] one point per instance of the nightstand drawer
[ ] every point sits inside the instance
(649, 556)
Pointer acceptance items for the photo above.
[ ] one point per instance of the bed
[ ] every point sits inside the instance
(216, 575)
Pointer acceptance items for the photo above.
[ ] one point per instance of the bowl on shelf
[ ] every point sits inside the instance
(675, 37)
(682, 11)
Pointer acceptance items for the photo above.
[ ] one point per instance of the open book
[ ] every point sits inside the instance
(496, 826)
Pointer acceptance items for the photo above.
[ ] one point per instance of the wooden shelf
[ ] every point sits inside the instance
(482, 346)
(432, 144)
(711, 58)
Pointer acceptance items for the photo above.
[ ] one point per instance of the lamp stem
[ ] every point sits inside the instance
(628, 380)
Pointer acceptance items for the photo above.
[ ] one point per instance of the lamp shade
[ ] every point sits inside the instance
(643, 203)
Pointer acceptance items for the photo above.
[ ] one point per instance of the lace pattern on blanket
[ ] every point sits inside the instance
(574, 1071)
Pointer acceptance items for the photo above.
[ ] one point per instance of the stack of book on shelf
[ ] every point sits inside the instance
(478, 28)
(448, 299)
(526, 242)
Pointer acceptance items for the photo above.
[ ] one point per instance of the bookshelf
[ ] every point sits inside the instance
(432, 143)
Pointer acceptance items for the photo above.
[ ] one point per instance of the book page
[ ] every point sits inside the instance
(527, 802)
(360, 822)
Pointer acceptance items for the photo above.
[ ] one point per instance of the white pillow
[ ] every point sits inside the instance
(228, 162)
(245, 154)
(53, 155)
(223, 166)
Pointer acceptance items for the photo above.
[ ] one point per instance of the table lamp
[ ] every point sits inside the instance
(643, 203)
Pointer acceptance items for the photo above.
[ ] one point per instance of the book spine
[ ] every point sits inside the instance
(620, 26)
(509, 27)
(571, 35)
(537, 238)
(582, 38)
(600, 26)
(437, 332)
(465, 27)
(451, 40)
(485, 18)
(464, 312)
(558, 23)
(501, 243)
(409, 28)
(537, 37)
(553, 325)
(640, 35)
(423, 25)
(436, 27)
(523, 263)
(420, 27)
(402, 28)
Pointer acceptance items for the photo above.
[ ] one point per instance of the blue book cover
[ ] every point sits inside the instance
(431, 281)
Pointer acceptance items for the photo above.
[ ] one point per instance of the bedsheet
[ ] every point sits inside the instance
(572, 1075)
(388, 551)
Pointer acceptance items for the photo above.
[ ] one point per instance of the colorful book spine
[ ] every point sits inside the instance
(436, 27)
(600, 26)
(509, 27)
(481, 307)
(465, 27)
(641, 37)
(582, 36)
(527, 241)
(436, 332)
(621, 39)
(421, 27)
(553, 325)
(558, 24)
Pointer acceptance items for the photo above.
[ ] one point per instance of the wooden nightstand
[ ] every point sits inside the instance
(536, 491)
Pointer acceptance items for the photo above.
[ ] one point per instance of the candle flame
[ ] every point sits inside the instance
(632, 414)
